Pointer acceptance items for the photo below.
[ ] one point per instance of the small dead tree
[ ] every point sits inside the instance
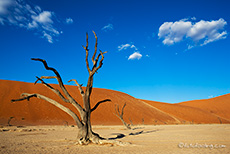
(220, 120)
(131, 122)
(120, 115)
(9, 120)
(85, 133)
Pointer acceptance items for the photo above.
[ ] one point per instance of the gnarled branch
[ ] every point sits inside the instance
(122, 111)
(24, 98)
(58, 77)
(51, 88)
(63, 108)
(94, 60)
(95, 51)
(45, 77)
(87, 52)
(95, 67)
(79, 86)
(98, 103)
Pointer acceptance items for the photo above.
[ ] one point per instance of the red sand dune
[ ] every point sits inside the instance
(193, 113)
(40, 112)
(219, 106)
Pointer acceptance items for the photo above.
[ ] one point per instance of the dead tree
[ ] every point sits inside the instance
(85, 133)
(131, 122)
(220, 120)
(9, 120)
(120, 115)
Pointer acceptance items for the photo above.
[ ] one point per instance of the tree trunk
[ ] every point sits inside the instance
(86, 135)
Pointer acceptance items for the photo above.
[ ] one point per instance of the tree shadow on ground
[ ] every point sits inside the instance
(120, 135)
(138, 128)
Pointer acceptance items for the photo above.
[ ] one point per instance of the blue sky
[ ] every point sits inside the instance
(169, 51)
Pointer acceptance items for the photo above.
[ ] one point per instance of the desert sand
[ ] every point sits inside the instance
(167, 139)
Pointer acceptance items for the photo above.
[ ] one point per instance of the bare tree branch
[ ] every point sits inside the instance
(24, 98)
(79, 86)
(117, 110)
(51, 88)
(102, 58)
(95, 67)
(98, 103)
(96, 61)
(45, 77)
(58, 77)
(63, 108)
(93, 60)
(122, 111)
(87, 53)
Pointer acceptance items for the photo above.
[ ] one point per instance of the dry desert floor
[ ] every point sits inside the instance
(203, 138)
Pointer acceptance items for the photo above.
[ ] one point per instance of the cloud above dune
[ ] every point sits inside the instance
(21, 14)
(200, 33)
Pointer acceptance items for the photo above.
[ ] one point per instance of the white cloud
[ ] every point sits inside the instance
(190, 47)
(69, 20)
(135, 55)
(201, 33)
(174, 32)
(126, 46)
(108, 27)
(133, 47)
(4, 4)
(215, 37)
(164, 29)
(19, 13)
(33, 24)
(123, 47)
(207, 30)
(193, 18)
(48, 37)
(2, 21)
(43, 18)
